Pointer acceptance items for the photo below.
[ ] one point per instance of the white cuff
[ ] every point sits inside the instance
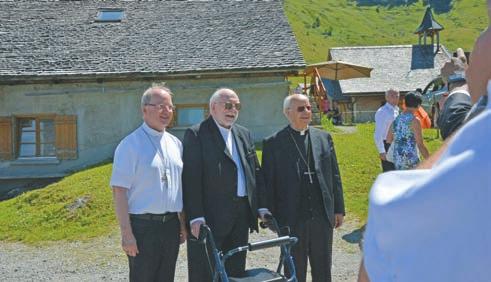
(262, 211)
(197, 219)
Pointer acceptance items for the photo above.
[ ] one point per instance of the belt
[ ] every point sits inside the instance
(157, 217)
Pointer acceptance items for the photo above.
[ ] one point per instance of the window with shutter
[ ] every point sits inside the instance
(39, 136)
(66, 136)
(6, 147)
(36, 137)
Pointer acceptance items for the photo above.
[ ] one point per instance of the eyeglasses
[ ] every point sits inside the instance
(303, 108)
(229, 106)
(161, 107)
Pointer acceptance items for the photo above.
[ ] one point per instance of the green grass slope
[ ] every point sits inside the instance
(321, 24)
(48, 214)
(359, 165)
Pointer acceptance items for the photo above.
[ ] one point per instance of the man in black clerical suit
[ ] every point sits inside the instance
(222, 184)
(304, 187)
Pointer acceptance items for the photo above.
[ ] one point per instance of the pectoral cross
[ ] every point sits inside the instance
(309, 173)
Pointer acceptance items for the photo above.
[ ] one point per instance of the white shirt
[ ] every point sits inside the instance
(139, 168)
(433, 225)
(384, 117)
(459, 91)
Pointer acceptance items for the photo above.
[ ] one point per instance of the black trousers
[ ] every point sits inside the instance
(386, 165)
(235, 235)
(158, 246)
(315, 246)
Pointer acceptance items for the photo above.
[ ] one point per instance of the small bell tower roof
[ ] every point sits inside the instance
(429, 24)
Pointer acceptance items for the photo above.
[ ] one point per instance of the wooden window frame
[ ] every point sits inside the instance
(175, 122)
(18, 135)
(65, 142)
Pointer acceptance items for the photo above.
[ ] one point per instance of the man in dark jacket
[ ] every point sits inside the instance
(222, 184)
(304, 187)
(456, 106)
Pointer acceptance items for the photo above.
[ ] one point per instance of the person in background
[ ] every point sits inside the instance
(456, 105)
(410, 210)
(337, 118)
(384, 117)
(407, 135)
(420, 113)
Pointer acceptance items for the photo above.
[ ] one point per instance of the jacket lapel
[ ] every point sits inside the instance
(240, 142)
(315, 142)
(291, 150)
(215, 132)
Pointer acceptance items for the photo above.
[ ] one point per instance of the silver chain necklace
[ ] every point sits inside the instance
(306, 162)
(163, 169)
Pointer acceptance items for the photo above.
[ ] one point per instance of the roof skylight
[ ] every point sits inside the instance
(110, 15)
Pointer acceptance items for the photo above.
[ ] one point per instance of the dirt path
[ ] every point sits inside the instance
(102, 260)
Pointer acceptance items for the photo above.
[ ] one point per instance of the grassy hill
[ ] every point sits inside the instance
(322, 24)
(80, 206)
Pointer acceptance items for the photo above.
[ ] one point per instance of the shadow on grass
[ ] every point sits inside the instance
(11, 188)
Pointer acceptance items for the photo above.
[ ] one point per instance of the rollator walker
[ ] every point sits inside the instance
(218, 258)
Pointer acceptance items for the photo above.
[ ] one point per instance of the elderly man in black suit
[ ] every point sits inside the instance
(222, 184)
(304, 187)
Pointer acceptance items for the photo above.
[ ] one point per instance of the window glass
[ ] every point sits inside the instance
(110, 16)
(36, 137)
(48, 150)
(27, 150)
(190, 116)
(436, 86)
(47, 131)
(28, 124)
(28, 137)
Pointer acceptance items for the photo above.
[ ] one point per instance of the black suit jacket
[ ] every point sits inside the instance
(209, 175)
(283, 182)
(453, 113)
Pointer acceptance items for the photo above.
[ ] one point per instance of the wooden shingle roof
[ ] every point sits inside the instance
(49, 38)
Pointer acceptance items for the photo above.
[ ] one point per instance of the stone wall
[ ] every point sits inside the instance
(108, 111)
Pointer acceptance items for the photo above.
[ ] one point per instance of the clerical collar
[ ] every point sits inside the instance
(299, 132)
(152, 131)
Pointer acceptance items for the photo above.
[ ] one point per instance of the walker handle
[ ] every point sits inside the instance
(285, 240)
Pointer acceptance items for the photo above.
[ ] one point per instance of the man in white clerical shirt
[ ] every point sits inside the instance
(147, 190)
(384, 117)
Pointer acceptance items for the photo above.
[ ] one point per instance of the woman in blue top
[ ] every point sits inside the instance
(407, 135)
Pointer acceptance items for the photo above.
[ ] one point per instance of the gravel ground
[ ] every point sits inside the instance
(102, 259)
